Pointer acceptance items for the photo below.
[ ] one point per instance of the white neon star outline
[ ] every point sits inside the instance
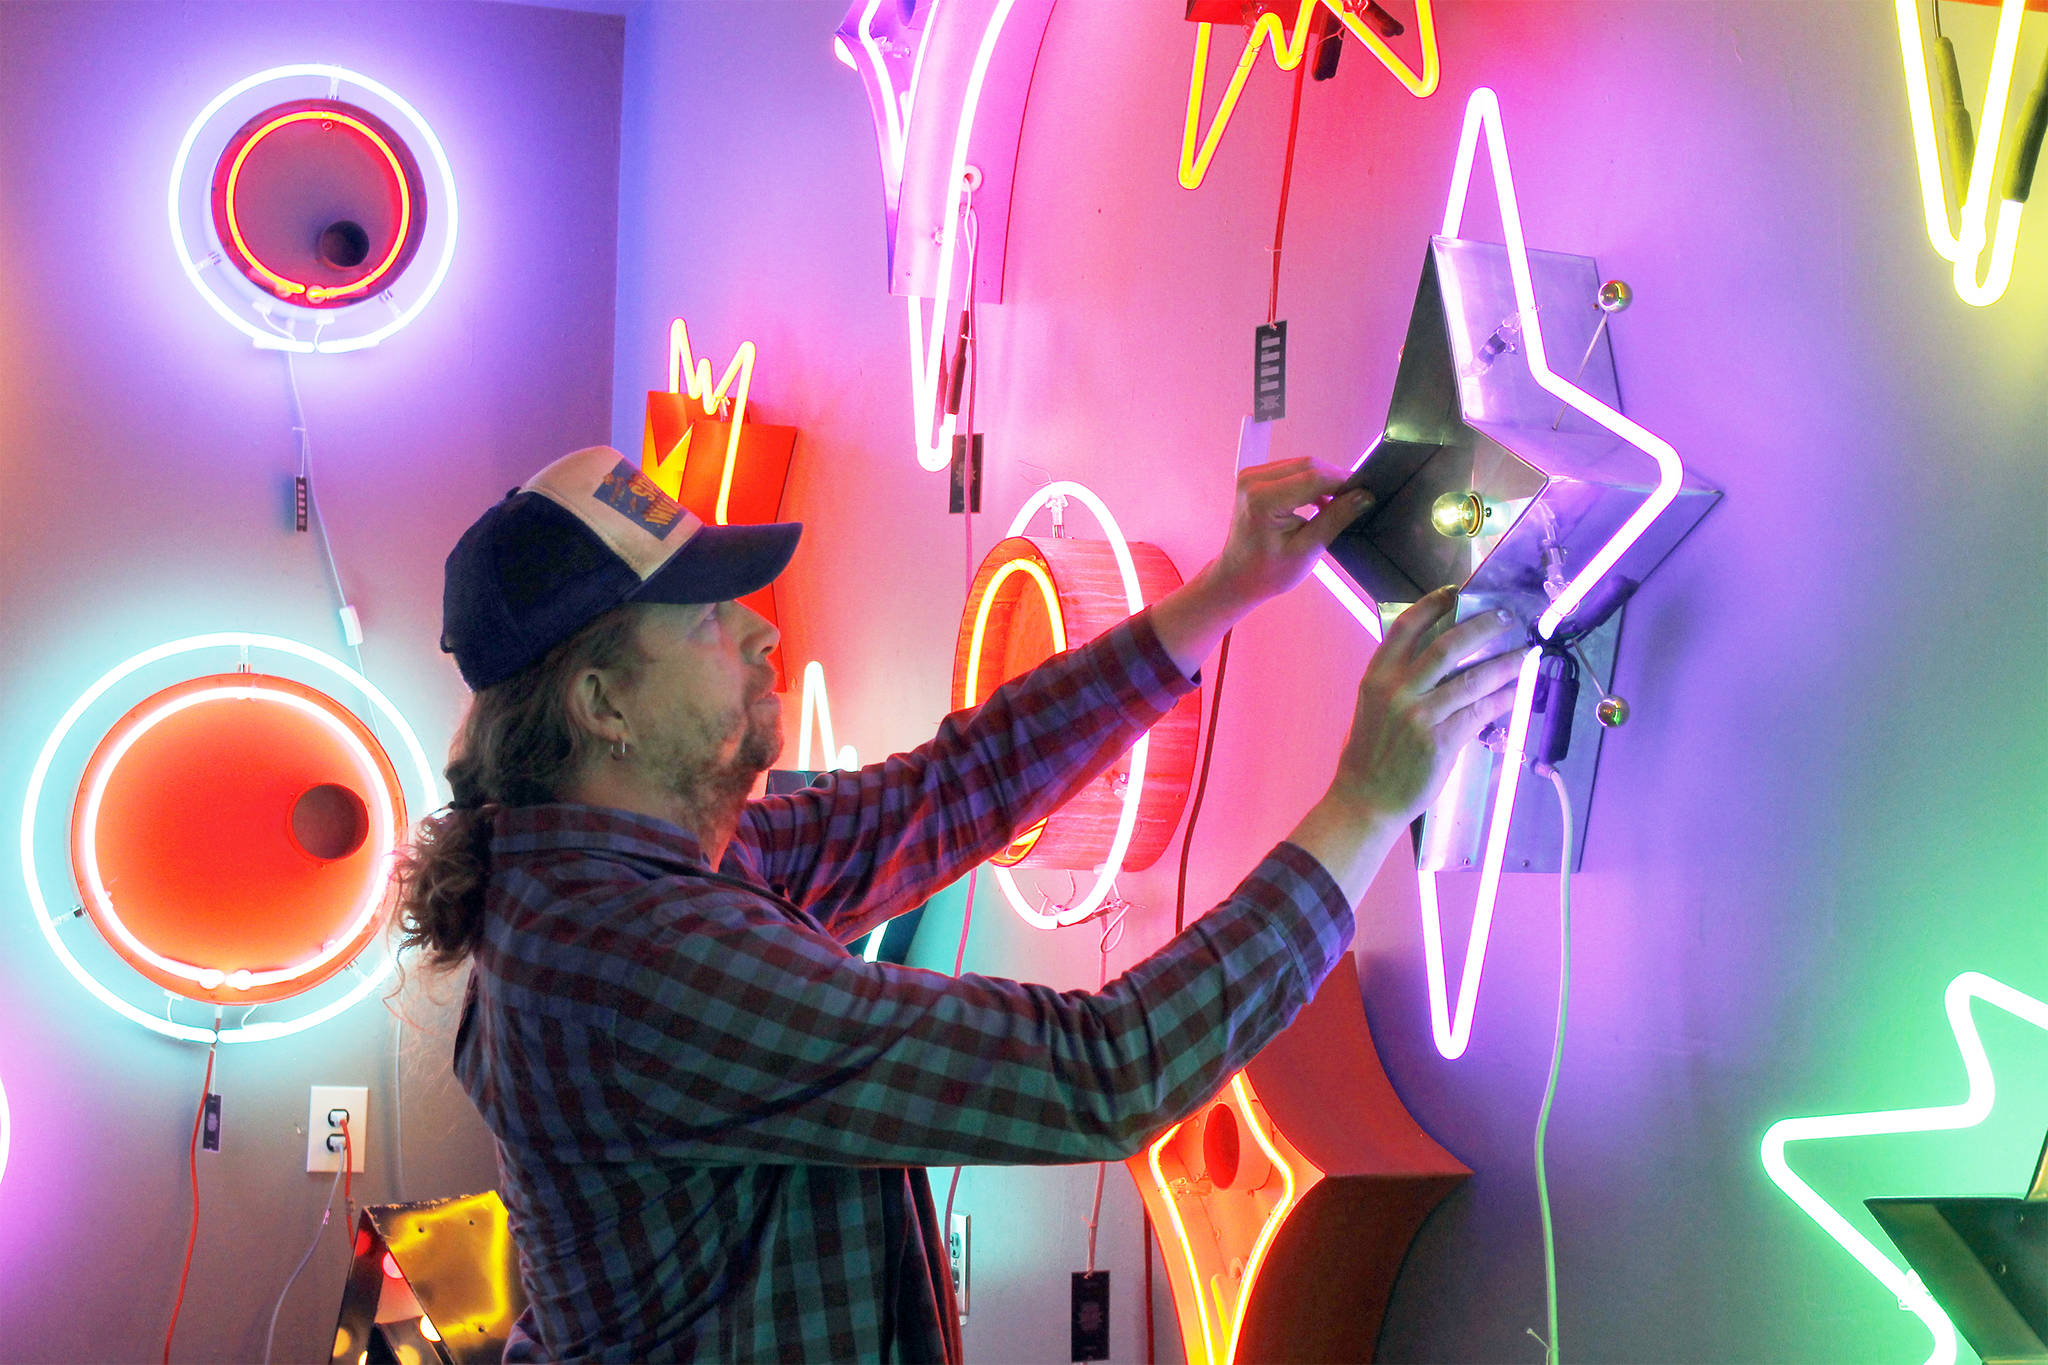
(1905, 1285)
(1452, 1024)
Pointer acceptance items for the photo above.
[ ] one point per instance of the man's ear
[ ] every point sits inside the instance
(590, 706)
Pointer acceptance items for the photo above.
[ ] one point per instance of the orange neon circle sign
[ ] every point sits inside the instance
(232, 837)
(389, 156)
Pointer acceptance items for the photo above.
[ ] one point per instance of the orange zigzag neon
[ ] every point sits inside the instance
(685, 368)
(1271, 31)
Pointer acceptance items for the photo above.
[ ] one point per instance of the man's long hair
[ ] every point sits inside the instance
(517, 746)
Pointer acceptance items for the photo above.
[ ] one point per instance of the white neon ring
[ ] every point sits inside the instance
(1127, 818)
(246, 1033)
(242, 979)
(268, 340)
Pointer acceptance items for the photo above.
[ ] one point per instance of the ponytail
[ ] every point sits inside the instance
(517, 746)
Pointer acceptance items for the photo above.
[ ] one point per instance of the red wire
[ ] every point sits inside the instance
(1151, 1352)
(1187, 842)
(1286, 180)
(192, 1239)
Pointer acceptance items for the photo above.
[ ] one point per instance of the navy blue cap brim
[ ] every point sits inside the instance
(721, 563)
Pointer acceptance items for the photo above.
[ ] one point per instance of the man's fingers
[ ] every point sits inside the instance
(1462, 726)
(1296, 488)
(1412, 626)
(1459, 642)
(1329, 523)
(1460, 690)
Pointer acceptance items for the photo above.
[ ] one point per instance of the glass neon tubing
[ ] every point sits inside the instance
(269, 340)
(937, 453)
(213, 977)
(1267, 1233)
(1453, 1027)
(684, 368)
(817, 708)
(397, 175)
(1127, 818)
(279, 1028)
(970, 691)
(1965, 248)
(1271, 31)
(1905, 1285)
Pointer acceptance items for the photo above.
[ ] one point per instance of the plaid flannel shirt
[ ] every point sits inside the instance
(712, 1120)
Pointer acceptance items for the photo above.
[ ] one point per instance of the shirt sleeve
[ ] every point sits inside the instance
(746, 1036)
(880, 841)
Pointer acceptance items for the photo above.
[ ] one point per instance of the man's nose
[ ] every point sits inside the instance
(759, 632)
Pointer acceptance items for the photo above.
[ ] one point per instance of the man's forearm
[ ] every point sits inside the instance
(1349, 839)
(1192, 619)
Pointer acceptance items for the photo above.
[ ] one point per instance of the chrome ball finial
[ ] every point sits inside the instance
(1612, 712)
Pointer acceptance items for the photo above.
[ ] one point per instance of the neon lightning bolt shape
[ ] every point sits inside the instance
(1975, 1107)
(1271, 32)
(1451, 1022)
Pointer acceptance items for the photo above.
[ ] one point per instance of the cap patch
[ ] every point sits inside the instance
(640, 500)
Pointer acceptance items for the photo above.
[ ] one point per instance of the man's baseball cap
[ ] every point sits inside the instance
(588, 533)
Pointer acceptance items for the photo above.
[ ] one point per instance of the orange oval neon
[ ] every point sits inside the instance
(314, 291)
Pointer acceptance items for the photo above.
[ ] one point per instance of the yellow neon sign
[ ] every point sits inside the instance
(320, 293)
(1288, 49)
(1978, 281)
(969, 695)
(684, 368)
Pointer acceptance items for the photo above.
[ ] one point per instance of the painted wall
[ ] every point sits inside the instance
(1828, 803)
(145, 461)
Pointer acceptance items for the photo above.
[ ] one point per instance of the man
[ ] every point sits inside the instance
(712, 1120)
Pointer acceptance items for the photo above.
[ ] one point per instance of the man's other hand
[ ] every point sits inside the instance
(1271, 546)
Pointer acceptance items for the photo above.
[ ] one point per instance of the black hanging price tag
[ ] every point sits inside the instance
(209, 1130)
(1091, 1315)
(299, 500)
(1269, 373)
(965, 495)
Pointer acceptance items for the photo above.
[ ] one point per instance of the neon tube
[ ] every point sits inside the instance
(429, 782)
(1270, 31)
(1965, 246)
(1127, 818)
(1250, 1111)
(382, 818)
(1904, 1286)
(817, 707)
(193, 266)
(686, 368)
(242, 247)
(1451, 1022)
(970, 690)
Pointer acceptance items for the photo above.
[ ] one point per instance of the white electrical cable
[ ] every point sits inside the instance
(326, 1209)
(1551, 1354)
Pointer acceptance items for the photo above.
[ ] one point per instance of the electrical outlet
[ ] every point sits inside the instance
(956, 1252)
(323, 1128)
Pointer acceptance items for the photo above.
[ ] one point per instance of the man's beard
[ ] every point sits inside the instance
(712, 790)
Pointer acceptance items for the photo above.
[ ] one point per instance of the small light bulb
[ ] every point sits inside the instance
(1457, 515)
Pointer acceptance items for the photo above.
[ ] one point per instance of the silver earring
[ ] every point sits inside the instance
(618, 748)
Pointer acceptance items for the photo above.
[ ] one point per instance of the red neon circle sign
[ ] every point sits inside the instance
(318, 202)
(232, 837)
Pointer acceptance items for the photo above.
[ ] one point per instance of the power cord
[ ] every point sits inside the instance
(192, 1158)
(326, 1209)
(1551, 1353)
